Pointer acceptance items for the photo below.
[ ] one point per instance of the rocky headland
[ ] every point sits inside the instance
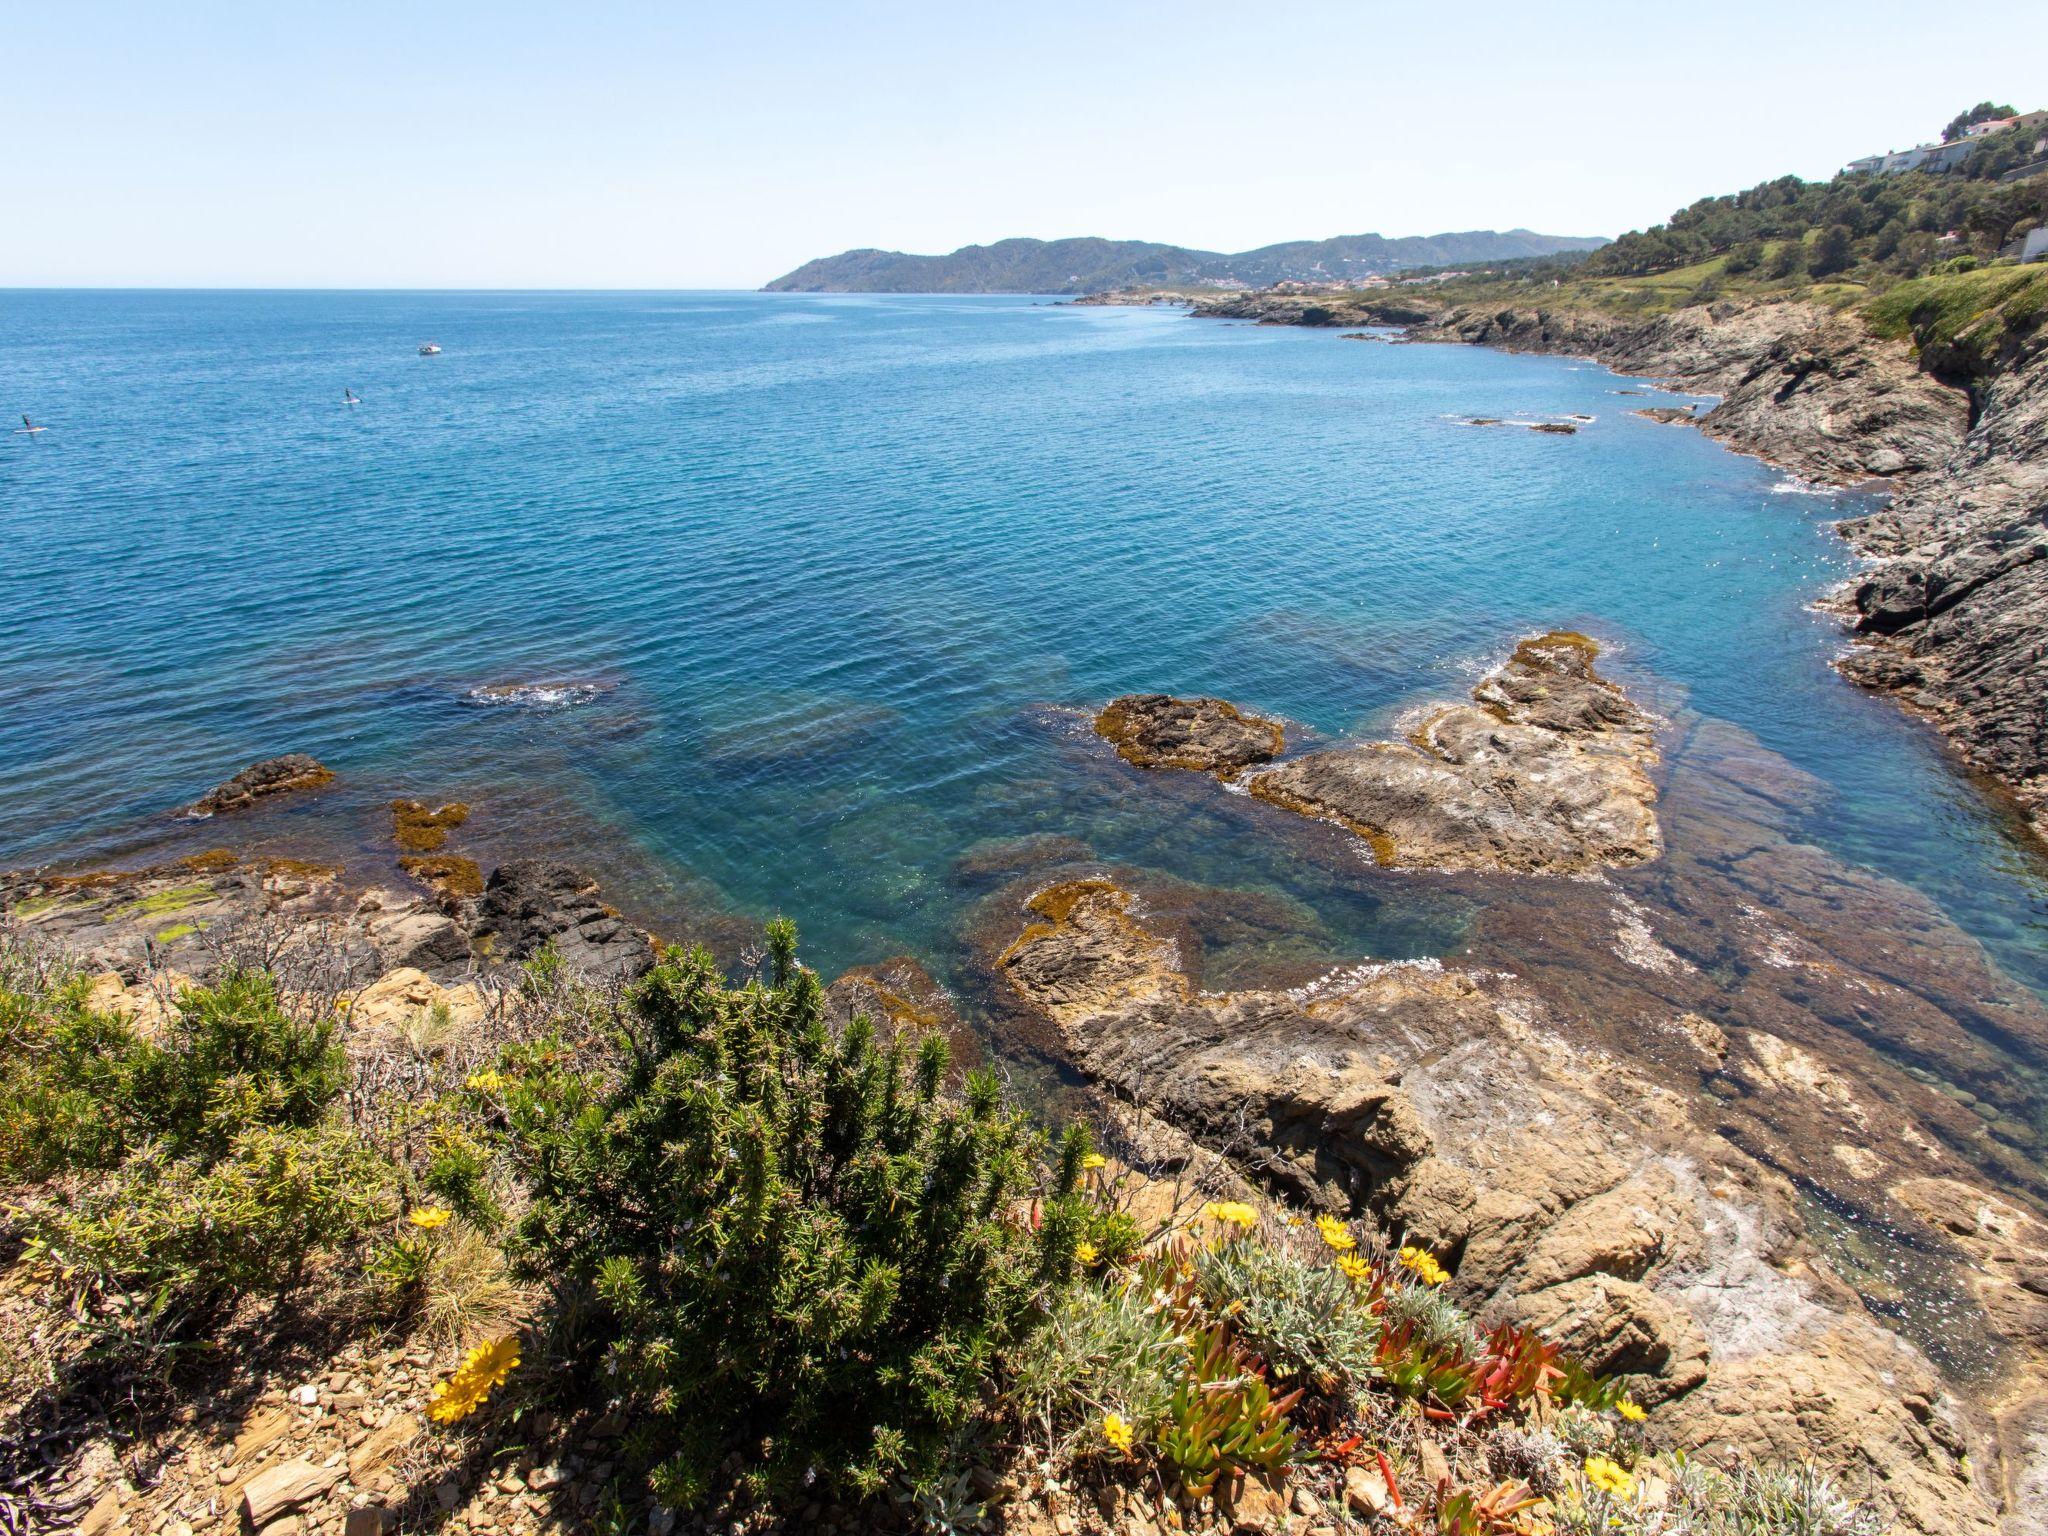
(1952, 619)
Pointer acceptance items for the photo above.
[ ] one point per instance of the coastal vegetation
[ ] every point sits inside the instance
(804, 1264)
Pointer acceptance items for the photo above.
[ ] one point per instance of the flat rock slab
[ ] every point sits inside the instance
(280, 1489)
(1544, 772)
(1156, 730)
(272, 776)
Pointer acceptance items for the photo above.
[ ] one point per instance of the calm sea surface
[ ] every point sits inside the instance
(834, 571)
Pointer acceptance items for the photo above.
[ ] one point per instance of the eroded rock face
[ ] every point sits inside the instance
(1544, 772)
(1156, 730)
(1563, 1186)
(530, 902)
(272, 776)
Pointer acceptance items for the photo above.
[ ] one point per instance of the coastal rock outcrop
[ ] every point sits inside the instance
(1561, 1188)
(1156, 730)
(259, 781)
(1544, 772)
(528, 903)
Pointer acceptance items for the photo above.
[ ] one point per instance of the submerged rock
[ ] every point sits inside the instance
(1543, 773)
(1156, 730)
(272, 776)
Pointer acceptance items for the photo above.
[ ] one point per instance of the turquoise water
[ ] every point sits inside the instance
(837, 570)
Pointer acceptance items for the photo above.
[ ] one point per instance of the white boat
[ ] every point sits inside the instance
(430, 348)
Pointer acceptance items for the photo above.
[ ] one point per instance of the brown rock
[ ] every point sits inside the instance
(272, 776)
(277, 1490)
(103, 1516)
(1620, 1328)
(382, 1445)
(1543, 773)
(1155, 730)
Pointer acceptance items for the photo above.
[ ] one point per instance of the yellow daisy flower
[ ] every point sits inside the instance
(464, 1390)
(1232, 1212)
(1425, 1266)
(1355, 1269)
(1117, 1432)
(1084, 1253)
(1336, 1234)
(486, 1081)
(429, 1217)
(1093, 1161)
(1610, 1477)
(1630, 1410)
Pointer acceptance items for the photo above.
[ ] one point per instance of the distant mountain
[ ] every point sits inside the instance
(1089, 266)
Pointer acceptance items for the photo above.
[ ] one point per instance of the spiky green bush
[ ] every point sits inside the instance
(805, 1248)
(79, 1089)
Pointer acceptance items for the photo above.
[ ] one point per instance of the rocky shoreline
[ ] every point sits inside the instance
(1953, 619)
(1616, 1114)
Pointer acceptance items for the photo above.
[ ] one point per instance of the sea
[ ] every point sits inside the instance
(800, 604)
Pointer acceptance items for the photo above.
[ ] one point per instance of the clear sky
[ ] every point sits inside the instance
(614, 143)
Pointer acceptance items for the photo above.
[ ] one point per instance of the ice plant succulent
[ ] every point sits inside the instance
(463, 1391)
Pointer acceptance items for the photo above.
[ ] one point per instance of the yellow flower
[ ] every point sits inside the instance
(486, 1081)
(1117, 1432)
(1356, 1270)
(1084, 1253)
(1093, 1161)
(1425, 1266)
(464, 1390)
(1630, 1410)
(1336, 1234)
(1234, 1212)
(429, 1217)
(1610, 1477)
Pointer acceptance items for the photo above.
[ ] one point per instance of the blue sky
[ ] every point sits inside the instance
(448, 144)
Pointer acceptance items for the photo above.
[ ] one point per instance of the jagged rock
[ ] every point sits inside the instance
(1155, 730)
(1619, 1328)
(272, 776)
(1961, 440)
(1543, 773)
(529, 902)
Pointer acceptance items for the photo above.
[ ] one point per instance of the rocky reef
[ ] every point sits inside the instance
(1155, 730)
(1544, 772)
(272, 776)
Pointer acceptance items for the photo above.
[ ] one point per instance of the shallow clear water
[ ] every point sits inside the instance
(842, 564)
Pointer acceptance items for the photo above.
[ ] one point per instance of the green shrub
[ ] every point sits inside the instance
(1747, 1500)
(63, 1083)
(79, 1089)
(177, 1234)
(234, 1059)
(804, 1248)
